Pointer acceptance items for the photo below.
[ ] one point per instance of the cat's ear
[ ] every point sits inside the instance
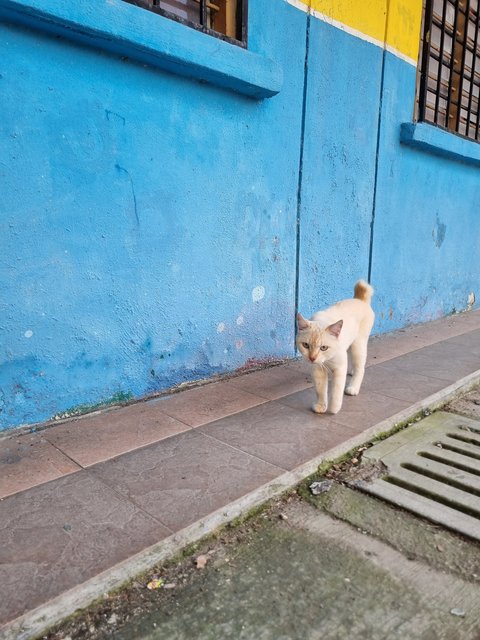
(334, 329)
(301, 322)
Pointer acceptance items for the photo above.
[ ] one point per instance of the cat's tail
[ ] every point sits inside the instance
(363, 291)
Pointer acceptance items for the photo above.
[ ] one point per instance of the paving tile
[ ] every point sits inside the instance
(114, 432)
(388, 380)
(387, 346)
(59, 534)
(208, 402)
(29, 460)
(280, 435)
(184, 478)
(437, 330)
(471, 340)
(442, 360)
(300, 365)
(363, 411)
(468, 320)
(357, 412)
(274, 382)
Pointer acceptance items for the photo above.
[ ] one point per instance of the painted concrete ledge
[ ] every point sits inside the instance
(428, 137)
(32, 624)
(130, 31)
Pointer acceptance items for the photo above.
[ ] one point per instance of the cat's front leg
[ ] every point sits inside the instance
(358, 352)
(320, 380)
(339, 376)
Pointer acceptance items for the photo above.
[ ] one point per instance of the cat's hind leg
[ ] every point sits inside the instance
(320, 380)
(358, 353)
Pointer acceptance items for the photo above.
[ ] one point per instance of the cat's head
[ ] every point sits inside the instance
(315, 343)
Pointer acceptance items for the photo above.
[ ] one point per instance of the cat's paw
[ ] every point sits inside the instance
(319, 407)
(334, 408)
(351, 390)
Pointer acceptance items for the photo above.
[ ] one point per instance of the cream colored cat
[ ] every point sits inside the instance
(325, 341)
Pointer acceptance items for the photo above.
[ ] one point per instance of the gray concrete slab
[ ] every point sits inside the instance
(414, 537)
(57, 535)
(303, 576)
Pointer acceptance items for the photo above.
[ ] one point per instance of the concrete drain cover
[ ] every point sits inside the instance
(433, 469)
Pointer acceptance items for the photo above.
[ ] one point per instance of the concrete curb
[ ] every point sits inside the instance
(34, 623)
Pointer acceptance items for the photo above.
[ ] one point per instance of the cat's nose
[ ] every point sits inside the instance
(312, 358)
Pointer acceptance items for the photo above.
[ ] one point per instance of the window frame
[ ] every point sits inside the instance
(461, 79)
(241, 27)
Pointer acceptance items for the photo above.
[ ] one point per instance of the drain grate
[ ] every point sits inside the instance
(433, 469)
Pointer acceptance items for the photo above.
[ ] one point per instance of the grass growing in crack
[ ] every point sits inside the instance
(400, 426)
(345, 459)
(118, 398)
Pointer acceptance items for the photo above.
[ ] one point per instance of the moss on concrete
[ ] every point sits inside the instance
(413, 536)
(81, 409)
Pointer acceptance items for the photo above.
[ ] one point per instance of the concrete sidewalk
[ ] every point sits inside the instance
(88, 503)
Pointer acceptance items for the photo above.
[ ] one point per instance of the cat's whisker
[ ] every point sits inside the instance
(325, 367)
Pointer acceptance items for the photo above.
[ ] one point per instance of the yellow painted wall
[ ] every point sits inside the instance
(369, 16)
(404, 22)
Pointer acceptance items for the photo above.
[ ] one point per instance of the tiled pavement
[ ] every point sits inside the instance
(78, 498)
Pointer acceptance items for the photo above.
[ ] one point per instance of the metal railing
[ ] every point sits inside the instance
(449, 92)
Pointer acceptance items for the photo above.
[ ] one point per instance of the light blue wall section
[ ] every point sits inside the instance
(147, 231)
(148, 221)
(426, 250)
(341, 120)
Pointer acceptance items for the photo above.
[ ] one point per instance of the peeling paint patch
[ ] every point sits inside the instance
(470, 301)
(28, 333)
(220, 327)
(239, 344)
(258, 293)
(240, 320)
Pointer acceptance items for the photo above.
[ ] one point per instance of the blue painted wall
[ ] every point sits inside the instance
(426, 250)
(338, 176)
(148, 227)
(369, 202)
(148, 221)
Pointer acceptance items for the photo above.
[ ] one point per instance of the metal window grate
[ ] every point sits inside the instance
(449, 94)
(225, 19)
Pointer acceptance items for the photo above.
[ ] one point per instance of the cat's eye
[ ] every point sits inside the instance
(323, 347)
(306, 345)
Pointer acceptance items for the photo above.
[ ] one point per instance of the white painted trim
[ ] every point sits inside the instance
(351, 31)
(401, 55)
(298, 4)
(343, 27)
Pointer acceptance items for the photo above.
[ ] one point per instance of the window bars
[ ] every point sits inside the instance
(450, 66)
(226, 19)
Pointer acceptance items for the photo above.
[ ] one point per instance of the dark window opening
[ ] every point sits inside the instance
(449, 74)
(225, 19)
